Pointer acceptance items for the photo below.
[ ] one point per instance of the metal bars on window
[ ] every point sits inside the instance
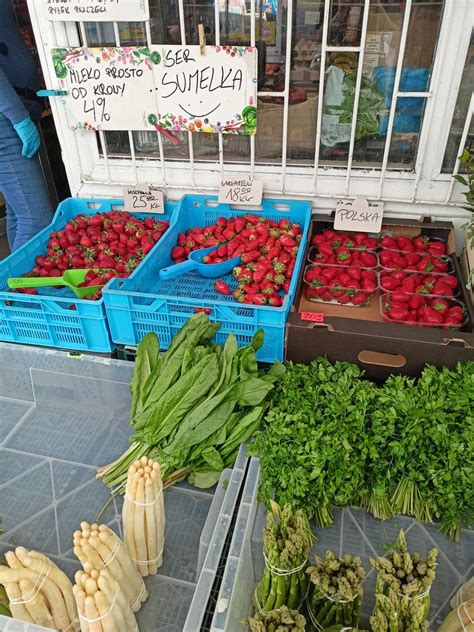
(286, 177)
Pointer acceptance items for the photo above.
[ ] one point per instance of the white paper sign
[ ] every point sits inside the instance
(108, 88)
(142, 198)
(240, 191)
(97, 10)
(359, 215)
(215, 92)
(172, 88)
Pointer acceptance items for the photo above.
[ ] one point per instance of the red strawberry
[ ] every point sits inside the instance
(344, 299)
(318, 239)
(286, 286)
(454, 316)
(440, 265)
(421, 243)
(370, 286)
(336, 288)
(388, 243)
(416, 301)
(386, 258)
(442, 289)
(412, 258)
(344, 279)
(412, 316)
(368, 259)
(359, 298)
(397, 313)
(450, 280)
(441, 305)
(221, 287)
(431, 316)
(437, 248)
(400, 297)
(325, 249)
(354, 272)
(348, 243)
(425, 265)
(399, 261)
(404, 244)
(389, 283)
(361, 238)
(329, 273)
(275, 301)
(370, 243)
(326, 296)
(257, 298)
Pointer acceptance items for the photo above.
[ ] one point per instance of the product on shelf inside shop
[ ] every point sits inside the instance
(281, 619)
(38, 591)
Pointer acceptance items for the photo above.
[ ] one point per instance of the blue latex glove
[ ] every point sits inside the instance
(29, 136)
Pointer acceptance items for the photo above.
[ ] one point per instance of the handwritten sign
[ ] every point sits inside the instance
(96, 10)
(240, 191)
(314, 317)
(359, 215)
(215, 92)
(108, 88)
(143, 198)
(174, 87)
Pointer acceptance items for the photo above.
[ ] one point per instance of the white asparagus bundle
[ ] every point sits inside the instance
(38, 591)
(465, 593)
(101, 602)
(143, 515)
(96, 547)
(461, 619)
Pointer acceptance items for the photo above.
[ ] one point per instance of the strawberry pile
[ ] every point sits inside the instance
(112, 243)
(267, 251)
(414, 261)
(420, 244)
(413, 282)
(344, 249)
(425, 311)
(350, 285)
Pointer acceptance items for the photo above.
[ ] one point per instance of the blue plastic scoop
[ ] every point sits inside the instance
(194, 262)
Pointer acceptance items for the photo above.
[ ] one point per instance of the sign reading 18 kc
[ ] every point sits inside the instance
(96, 10)
(174, 88)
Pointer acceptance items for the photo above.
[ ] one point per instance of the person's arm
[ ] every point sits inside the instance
(11, 104)
(12, 107)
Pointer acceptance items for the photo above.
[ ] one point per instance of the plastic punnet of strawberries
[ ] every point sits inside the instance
(267, 251)
(420, 254)
(113, 243)
(422, 310)
(356, 249)
(419, 283)
(351, 285)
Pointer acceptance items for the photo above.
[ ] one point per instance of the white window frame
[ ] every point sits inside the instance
(91, 174)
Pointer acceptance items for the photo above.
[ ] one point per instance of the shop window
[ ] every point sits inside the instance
(466, 90)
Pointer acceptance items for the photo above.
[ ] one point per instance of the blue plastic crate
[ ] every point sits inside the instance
(143, 303)
(55, 317)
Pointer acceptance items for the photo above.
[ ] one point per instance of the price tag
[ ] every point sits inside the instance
(359, 215)
(240, 191)
(142, 198)
(314, 317)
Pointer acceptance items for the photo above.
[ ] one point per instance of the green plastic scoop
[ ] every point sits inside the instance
(70, 278)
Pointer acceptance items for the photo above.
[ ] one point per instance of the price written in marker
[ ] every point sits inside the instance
(359, 215)
(235, 191)
(142, 198)
(314, 317)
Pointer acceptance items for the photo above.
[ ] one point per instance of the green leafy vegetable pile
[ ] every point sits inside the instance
(332, 439)
(194, 405)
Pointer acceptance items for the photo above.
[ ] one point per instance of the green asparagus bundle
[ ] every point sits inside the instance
(287, 540)
(281, 620)
(402, 590)
(337, 593)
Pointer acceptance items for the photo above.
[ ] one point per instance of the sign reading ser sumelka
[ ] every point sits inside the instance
(96, 10)
(174, 88)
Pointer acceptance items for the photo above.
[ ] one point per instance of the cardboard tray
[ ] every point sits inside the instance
(355, 334)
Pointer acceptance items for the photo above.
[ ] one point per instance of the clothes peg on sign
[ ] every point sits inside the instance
(202, 39)
(51, 93)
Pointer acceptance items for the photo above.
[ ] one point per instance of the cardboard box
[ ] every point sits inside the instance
(359, 335)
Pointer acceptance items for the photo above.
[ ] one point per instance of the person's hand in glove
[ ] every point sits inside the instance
(29, 136)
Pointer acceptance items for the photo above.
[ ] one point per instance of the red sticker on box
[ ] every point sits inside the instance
(314, 317)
